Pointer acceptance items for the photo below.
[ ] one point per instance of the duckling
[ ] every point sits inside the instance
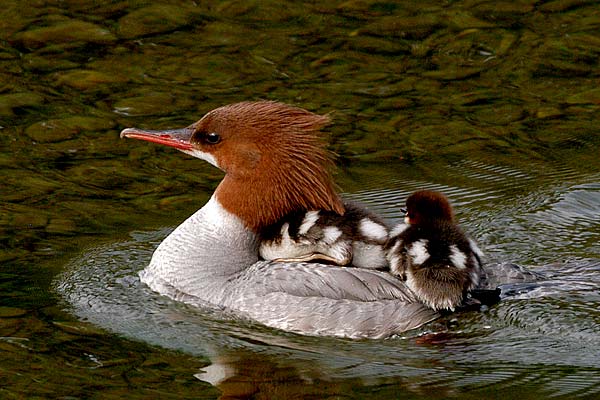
(357, 238)
(432, 254)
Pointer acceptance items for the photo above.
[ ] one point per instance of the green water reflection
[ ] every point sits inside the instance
(413, 86)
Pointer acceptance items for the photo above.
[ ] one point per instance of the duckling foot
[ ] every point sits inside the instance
(483, 297)
(312, 257)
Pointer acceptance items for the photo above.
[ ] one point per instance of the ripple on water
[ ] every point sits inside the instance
(468, 184)
(566, 222)
(491, 173)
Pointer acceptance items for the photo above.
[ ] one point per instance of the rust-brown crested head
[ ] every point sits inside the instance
(428, 206)
(274, 159)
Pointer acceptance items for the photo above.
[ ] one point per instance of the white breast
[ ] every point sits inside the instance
(200, 254)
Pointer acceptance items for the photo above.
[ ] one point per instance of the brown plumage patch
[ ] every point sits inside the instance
(274, 159)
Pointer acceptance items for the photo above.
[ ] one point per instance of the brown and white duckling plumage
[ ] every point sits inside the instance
(357, 238)
(432, 254)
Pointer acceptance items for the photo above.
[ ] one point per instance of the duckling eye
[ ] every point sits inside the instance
(212, 138)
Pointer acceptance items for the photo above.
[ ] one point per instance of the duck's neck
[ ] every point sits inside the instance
(204, 252)
(266, 198)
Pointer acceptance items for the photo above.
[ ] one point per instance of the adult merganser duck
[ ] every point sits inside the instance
(275, 165)
(432, 254)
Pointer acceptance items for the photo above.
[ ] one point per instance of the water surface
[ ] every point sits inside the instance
(496, 104)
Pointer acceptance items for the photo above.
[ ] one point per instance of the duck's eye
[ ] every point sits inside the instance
(212, 138)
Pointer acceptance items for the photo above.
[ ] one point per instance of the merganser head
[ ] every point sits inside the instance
(271, 153)
(426, 207)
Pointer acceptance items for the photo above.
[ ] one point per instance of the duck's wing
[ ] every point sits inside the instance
(319, 280)
(336, 317)
(318, 299)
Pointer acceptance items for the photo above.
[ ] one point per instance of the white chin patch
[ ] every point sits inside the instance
(203, 156)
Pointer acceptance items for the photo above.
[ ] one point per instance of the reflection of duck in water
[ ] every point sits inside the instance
(432, 254)
(242, 374)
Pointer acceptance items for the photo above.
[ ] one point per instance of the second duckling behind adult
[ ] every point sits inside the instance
(432, 253)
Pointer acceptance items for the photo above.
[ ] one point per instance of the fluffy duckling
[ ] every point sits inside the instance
(357, 238)
(432, 254)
